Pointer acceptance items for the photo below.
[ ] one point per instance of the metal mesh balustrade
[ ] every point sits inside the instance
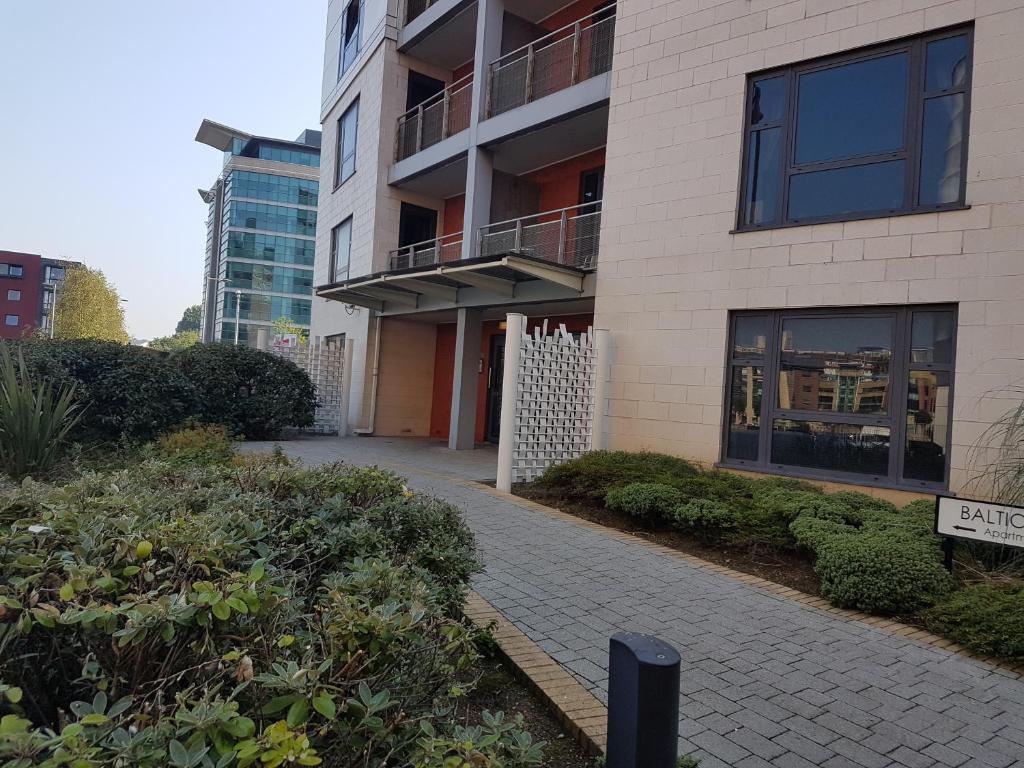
(441, 250)
(414, 8)
(442, 115)
(552, 63)
(569, 236)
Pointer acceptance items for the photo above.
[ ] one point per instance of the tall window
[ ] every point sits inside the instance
(349, 36)
(873, 133)
(345, 161)
(859, 394)
(341, 248)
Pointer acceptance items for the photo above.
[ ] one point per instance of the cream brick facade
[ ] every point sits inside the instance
(671, 271)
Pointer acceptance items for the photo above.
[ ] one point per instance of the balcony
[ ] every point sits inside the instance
(429, 253)
(434, 120)
(568, 237)
(414, 8)
(557, 61)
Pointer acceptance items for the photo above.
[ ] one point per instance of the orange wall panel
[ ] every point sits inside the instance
(560, 183)
(454, 209)
(570, 14)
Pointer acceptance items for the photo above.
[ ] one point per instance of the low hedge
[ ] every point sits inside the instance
(593, 474)
(650, 501)
(135, 394)
(233, 616)
(986, 618)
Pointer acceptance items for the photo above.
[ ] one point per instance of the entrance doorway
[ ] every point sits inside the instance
(495, 378)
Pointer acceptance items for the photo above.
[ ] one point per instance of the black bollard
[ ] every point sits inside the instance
(643, 702)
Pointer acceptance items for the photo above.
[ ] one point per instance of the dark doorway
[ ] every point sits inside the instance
(421, 87)
(495, 376)
(416, 224)
(582, 242)
(591, 190)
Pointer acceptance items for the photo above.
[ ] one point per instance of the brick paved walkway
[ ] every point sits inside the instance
(765, 681)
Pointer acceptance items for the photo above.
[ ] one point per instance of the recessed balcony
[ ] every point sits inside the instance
(570, 55)
(437, 118)
(540, 257)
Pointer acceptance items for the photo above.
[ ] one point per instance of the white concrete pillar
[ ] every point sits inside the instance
(469, 329)
(515, 325)
(263, 339)
(602, 370)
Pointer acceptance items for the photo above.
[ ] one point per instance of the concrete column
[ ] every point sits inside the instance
(479, 178)
(462, 429)
(346, 385)
(490, 17)
(515, 324)
(602, 367)
(262, 339)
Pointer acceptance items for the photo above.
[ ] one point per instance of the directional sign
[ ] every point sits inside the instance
(980, 521)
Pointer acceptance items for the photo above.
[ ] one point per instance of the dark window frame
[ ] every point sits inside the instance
(895, 419)
(339, 159)
(332, 276)
(916, 47)
(347, 34)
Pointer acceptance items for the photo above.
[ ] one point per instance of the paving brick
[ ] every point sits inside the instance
(762, 674)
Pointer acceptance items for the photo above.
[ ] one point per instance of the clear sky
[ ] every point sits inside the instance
(100, 101)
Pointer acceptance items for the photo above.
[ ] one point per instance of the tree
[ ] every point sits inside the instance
(179, 341)
(189, 319)
(284, 325)
(88, 307)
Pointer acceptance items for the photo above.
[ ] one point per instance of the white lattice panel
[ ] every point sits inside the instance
(554, 400)
(325, 364)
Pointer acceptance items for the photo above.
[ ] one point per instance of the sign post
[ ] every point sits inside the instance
(973, 520)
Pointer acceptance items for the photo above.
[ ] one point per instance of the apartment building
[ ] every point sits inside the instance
(801, 222)
(260, 231)
(463, 165)
(28, 284)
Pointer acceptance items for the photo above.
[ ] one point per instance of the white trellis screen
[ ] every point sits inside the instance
(325, 364)
(552, 383)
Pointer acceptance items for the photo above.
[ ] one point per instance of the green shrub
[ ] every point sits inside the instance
(644, 501)
(35, 418)
(709, 519)
(252, 393)
(128, 392)
(196, 444)
(877, 572)
(593, 474)
(714, 485)
(238, 616)
(986, 618)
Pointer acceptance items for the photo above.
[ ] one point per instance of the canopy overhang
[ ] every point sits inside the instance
(491, 280)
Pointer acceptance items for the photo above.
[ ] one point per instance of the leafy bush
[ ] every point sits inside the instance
(879, 573)
(259, 615)
(714, 485)
(593, 474)
(708, 519)
(986, 618)
(196, 444)
(128, 392)
(252, 393)
(35, 418)
(651, 501)
(878, 559)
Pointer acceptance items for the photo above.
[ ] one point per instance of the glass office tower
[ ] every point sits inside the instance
(260, 233)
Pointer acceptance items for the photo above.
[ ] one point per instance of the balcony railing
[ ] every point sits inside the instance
(569, 236)
(442, 115)
(414, 8)
(556, 61)
(440, 250)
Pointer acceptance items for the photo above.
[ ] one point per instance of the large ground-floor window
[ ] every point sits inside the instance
(862, 395)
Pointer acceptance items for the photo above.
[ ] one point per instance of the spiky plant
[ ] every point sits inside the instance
(35, 418)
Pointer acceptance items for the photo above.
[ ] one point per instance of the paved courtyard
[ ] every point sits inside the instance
(765, 681)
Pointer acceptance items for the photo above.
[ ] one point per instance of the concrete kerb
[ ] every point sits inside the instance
(578, 710)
